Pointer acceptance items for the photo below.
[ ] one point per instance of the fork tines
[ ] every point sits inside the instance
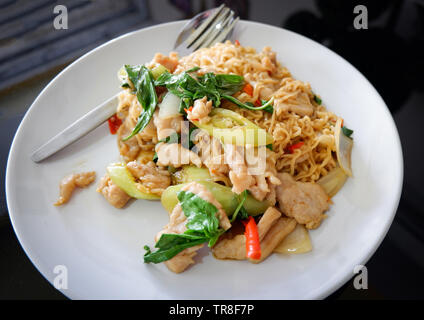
(216, 28)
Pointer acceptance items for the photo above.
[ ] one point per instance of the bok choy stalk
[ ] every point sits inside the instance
(227, 198)
(122, 177)
(231, 127)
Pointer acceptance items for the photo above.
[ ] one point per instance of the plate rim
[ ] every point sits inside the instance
(327, 290)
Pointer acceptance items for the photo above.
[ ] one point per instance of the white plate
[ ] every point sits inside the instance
(101, 247)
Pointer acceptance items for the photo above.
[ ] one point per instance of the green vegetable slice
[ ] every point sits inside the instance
(122, 177)
(242, 133)
(228, 199)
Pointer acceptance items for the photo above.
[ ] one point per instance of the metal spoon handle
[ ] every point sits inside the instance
(76, 130)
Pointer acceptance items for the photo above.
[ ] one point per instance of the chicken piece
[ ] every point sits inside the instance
(304, 201)
(301, 105)
(211, 153)
(72, 181)
(280, 229)
(174, 154)
(238, 174)
(170, 62)
(201, 109)
(155, 179)
(112, 193)
(256, 172)
(183, 260)
(167, 126)
(177, 224)
(230, 248)
(270, 216)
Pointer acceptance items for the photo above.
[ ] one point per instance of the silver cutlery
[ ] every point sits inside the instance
(205, 29)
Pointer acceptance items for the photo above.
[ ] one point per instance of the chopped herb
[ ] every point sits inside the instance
(317, 99)
(141, 78)
(190, 88)
(240, 208)
(347, 132)
(269, 146)
(155, 158)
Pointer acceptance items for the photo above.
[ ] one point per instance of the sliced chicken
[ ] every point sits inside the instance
(201, 109)
(72, 181)
(211, 153)
(233, 248)
(239, 175)
(270, 216)
(280, 229)
(174, 154)
(154, 178)
(112, 193)
(177, 224)
(253, 169)
(304, 201)
(167, 126)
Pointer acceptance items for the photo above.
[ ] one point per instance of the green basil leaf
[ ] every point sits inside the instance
(265, 107)
(201, 214)
(240, 208)
(141, 78)
(169, 245)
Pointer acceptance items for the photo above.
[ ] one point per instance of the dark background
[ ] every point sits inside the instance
(390, 53)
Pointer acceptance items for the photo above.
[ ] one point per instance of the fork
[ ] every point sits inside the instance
(205, 29)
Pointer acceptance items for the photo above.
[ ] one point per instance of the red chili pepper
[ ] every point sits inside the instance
(295, 146)
(237, 43)
(248, 89)
(258, 103)
(253, 246)
(114, 124)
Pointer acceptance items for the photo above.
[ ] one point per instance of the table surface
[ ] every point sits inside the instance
(389, 53)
